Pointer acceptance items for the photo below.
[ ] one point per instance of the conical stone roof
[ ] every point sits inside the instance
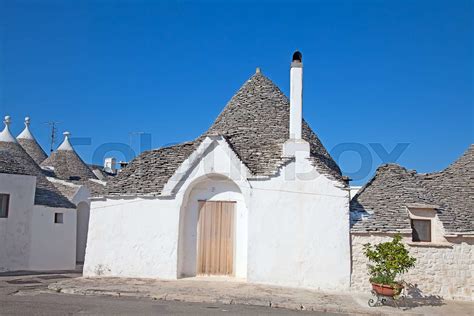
(15, 160)
(381, 204)
(66, 164)
(256, 124)
(30, 145)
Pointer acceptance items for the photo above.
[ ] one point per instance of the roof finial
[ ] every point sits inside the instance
(26, 134)
(258, 70)
(5, 135)
(66, 145)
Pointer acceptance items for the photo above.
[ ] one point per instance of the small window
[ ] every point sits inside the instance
(4, 205)
(58, 218)
(421, 230)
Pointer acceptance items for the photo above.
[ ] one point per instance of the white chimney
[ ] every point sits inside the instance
(296, 96)
(109, 165)
(295, 145)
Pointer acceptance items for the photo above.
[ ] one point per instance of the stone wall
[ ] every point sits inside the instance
(442, 269)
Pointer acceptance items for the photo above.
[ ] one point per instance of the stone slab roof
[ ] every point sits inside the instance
(30, 145)
(33, 149)
(96, 187)
(380, 206)
(255, 122)
(149, 172)
(67, 189)
(67, 165)
(100, 173)
(15, 160)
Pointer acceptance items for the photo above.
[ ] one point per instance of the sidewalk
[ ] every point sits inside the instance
(233, 292)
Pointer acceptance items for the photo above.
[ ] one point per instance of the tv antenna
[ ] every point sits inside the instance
(54, 130)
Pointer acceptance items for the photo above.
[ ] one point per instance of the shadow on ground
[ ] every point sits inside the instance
(414, 297)
(34, 273)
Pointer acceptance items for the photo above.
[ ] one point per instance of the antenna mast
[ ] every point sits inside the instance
(54, 131)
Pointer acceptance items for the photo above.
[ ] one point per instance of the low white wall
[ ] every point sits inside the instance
(299, 233)
(132, 238)
(15, 230)
(53, 246)
(441, 269)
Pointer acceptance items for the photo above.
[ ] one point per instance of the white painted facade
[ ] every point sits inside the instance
(39, 237)
(291, 230)
(29, 238)
(14, 230)
(53, 245)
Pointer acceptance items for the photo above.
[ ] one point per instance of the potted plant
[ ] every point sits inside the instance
(387, 261)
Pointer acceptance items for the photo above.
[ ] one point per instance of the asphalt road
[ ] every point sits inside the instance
(27, 294)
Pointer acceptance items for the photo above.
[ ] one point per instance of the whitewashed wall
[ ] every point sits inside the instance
(442, 269)
(291, 232)
(81, 200)
(15, 230)
(53, 246)
(132, 238)
(139, 237)
(299, 232)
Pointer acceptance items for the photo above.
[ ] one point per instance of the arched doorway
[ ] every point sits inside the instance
(213, 229)
(83, 212)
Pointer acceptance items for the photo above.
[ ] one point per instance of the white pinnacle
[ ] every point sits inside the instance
(26, 134)
(66, 145)
(6, 135)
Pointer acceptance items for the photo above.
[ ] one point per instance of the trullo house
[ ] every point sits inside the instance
(37, 222)
(44, 203)
(256, 197)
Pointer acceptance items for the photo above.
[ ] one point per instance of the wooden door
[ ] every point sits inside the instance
(215, 240)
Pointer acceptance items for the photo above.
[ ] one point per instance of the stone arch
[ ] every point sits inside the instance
(82, 229)
(211, 187)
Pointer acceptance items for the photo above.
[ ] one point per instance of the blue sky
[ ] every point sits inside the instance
(383, 72)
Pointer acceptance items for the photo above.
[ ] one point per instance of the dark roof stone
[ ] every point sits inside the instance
(67, 165)
(33, 149)
(149, 172)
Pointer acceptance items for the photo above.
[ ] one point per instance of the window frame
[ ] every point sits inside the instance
(7, 211)
(59, 218)
(430, 233)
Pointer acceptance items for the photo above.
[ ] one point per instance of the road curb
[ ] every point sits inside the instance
(61, 288)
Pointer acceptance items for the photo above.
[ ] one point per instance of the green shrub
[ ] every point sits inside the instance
(388, 260)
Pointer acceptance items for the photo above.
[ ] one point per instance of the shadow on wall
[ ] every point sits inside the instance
(415, 298)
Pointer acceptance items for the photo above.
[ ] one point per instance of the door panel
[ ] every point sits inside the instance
(215, 238)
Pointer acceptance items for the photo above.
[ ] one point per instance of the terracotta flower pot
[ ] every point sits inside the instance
(387, 290)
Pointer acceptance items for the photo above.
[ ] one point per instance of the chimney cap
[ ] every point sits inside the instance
(297, 57)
